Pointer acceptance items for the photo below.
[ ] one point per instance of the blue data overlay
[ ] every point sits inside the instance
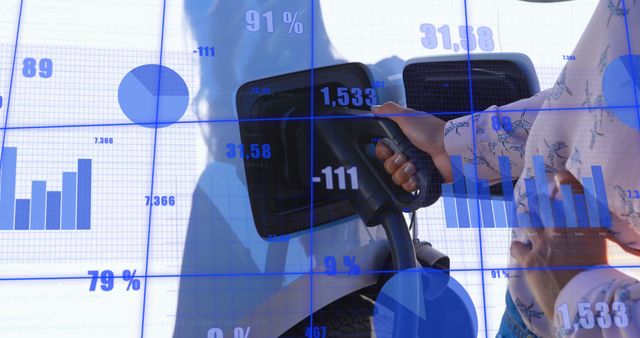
(622, 89)
(263, 169)
(68, 208)
(153, 94)
(472, 205)
(441, 307)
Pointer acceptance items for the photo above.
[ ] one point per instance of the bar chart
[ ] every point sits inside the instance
(66, 209)
(469, 204)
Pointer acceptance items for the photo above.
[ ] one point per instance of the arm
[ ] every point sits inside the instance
(499, 131)
(599, 135)
(441, 139)
(605, 299)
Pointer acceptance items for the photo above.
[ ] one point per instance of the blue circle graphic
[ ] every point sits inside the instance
(140, 99)
(424, 303)
(621, 87)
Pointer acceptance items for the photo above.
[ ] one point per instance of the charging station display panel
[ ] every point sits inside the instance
(280, 181)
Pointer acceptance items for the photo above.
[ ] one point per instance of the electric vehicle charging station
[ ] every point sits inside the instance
(351, 140)
(335, 212)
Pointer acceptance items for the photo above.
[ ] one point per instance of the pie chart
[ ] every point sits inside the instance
(153, 90)
(424, 303)
(621, 87)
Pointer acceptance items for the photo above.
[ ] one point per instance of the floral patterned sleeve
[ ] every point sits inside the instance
(608, 137)
(601, 302)
(499, 131)
(588, 119)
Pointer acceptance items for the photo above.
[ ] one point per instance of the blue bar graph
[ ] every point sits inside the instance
(472, 194)
(558, 213)
(460, 192)
(591, 202)
(534, 210)
(462, 198)
(53, 210)
(544, 200)
(83, 220)
(38, 205)
(68, 201)
(485, 204)
(7, 187)
(581, 210)
(69, 208)
(507, 187)
(569, 206)
(499, 212)
(601, 195)
(449, 204)
(22, 214)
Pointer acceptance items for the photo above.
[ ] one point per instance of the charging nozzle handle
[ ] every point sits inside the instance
(348, 139)
(428, 178)
(378, 200)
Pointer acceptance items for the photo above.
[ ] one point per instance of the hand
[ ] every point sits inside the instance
(425, 131)
(556, 248)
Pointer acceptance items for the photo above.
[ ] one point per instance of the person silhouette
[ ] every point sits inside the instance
(228, 270)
